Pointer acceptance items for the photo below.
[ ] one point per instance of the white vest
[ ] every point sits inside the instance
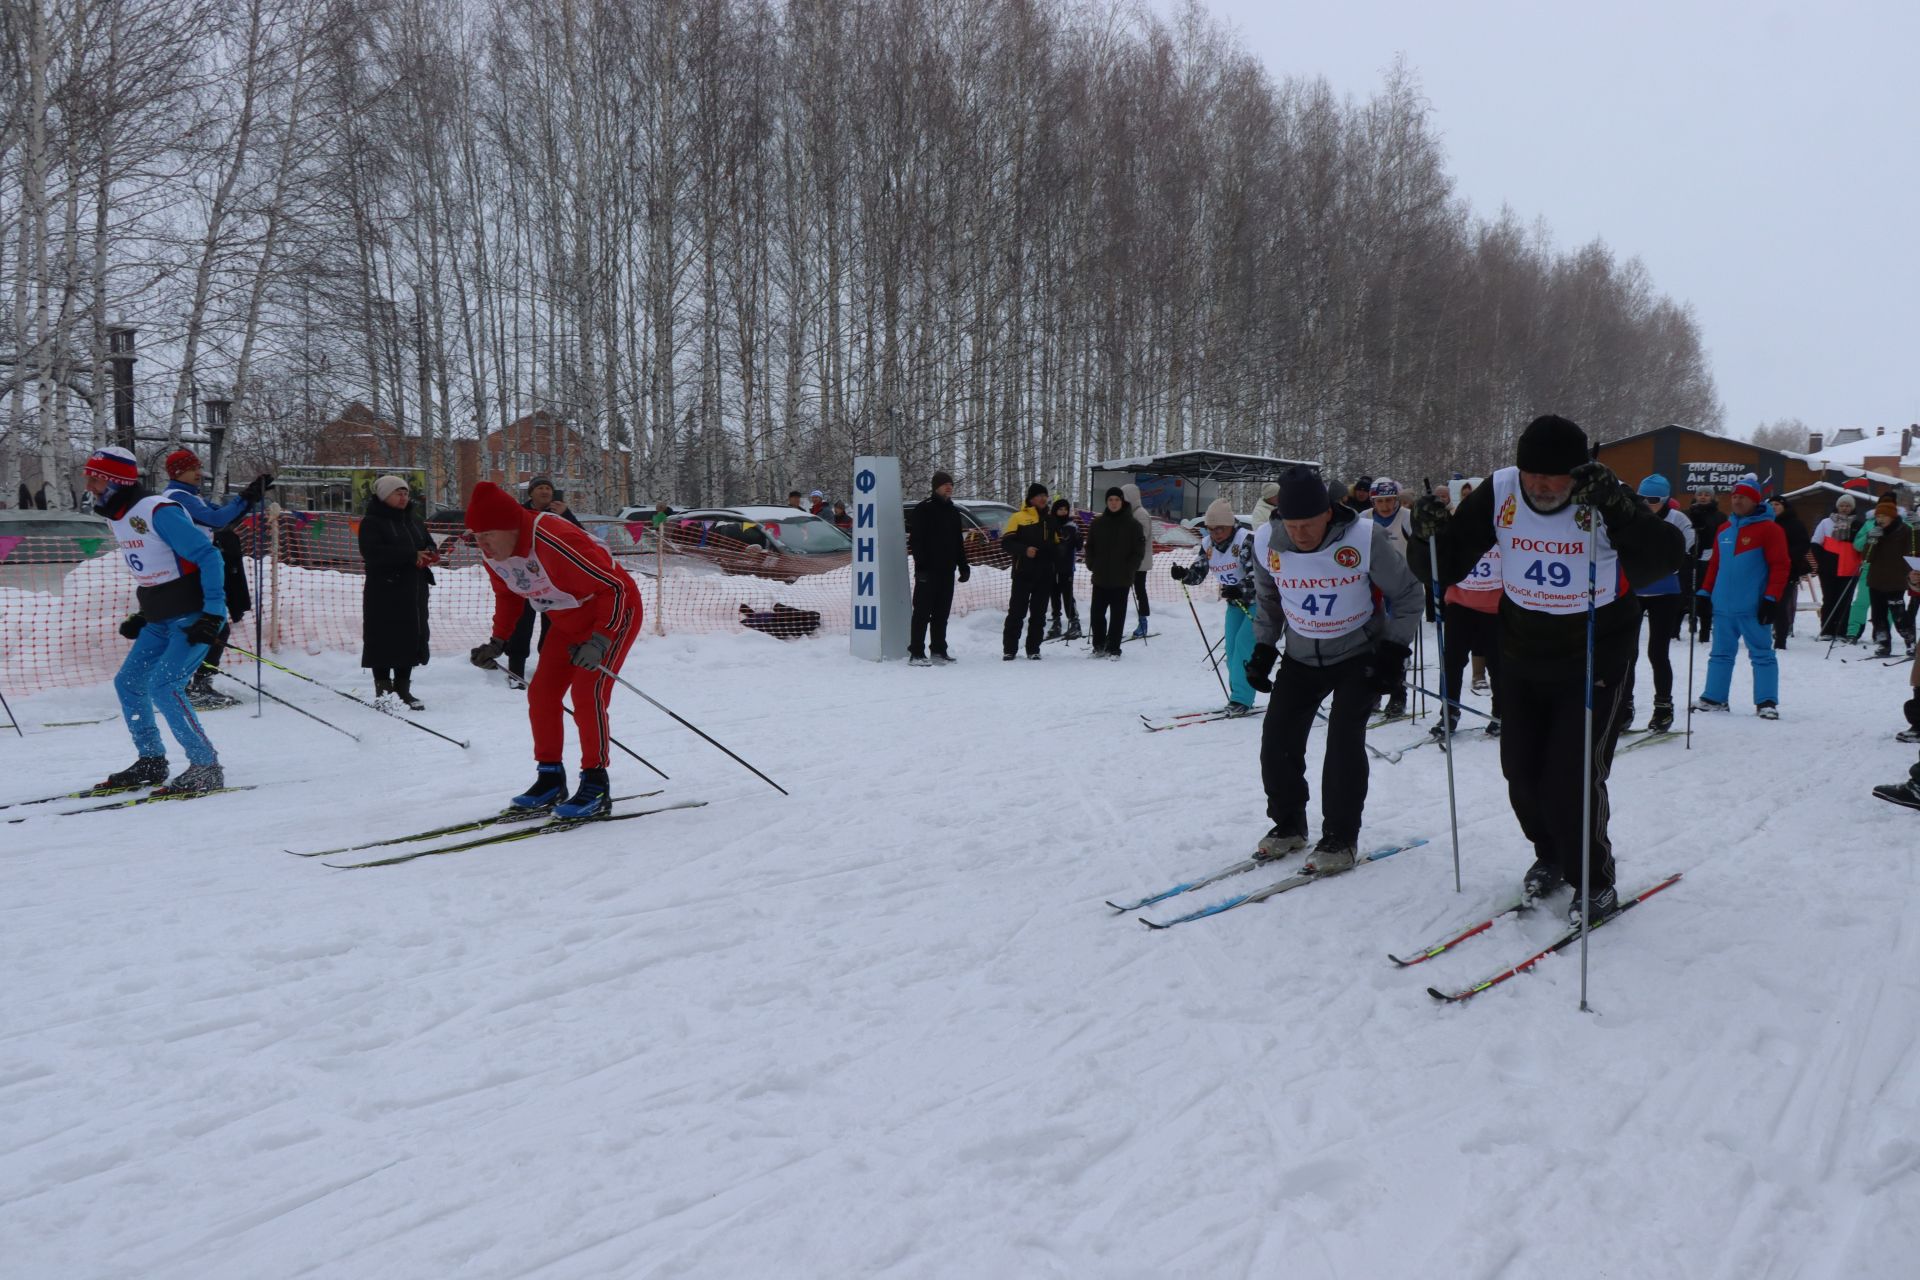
(147, 554)
(1543, 558)
(1325, 593)
(1225, 564)
(525, 576)
(1485, 577)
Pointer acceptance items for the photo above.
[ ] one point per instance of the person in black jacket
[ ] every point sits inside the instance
(393, 611)
(937, 543)
(1065, 555)
(541, 499)
(1799, 564)
(1540, 513)
(1115, 543)
(1707, 519)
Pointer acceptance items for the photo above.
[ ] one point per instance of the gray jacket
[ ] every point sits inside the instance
(1145, 517)
(1391, 578)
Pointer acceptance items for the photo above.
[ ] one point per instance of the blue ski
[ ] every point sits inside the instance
(1281, 886)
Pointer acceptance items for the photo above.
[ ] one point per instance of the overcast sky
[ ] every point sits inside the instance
(1763, 160)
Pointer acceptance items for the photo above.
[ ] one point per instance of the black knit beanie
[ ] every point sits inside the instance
(940, 478)
(1036, 490)
(1551, 446)
(1115, 492)
(1303, 494)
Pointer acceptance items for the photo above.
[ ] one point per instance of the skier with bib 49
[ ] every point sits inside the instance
(544, 561)
(1322, 573)
(1547, 515)
(183, 609)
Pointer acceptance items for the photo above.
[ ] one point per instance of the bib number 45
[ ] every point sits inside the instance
(1549, 573)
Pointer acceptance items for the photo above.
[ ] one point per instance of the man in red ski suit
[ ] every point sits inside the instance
(544, 561)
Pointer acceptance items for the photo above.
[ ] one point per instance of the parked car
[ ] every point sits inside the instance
(766, 542)
(53, 543)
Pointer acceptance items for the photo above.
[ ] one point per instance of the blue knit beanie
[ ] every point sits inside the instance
(1655, 486)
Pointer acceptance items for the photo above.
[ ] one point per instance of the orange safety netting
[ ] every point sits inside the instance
(62, 598)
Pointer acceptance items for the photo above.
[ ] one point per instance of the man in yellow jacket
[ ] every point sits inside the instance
(1031, 538)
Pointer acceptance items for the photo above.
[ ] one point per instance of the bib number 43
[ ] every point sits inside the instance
(1549, 573)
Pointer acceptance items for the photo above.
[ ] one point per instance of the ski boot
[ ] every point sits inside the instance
(1542, 879)
(194, 778)
(1073, 630)
(1396, 706)
(1053, 628)
(1905, 793)
(1140, 631)
(202, 696)
(1882, 645)
(549, 788)
(1662, 721)
(1234, 710)
(1278, 843)
(593, 798)
(1601, 903)
(1332, 854)
(1493, 727)
(1907, 735)
(147, 771)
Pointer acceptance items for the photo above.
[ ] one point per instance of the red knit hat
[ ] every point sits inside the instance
(490, 507)
(115, 464)
(181, 460)
(1750, 486)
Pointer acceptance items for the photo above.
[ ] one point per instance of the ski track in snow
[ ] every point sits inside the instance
(888, 1026)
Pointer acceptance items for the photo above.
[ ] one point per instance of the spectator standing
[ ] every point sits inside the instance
(841, 519)
(1065, 554)
(541, 500)
(1360, 498)
(399, 559)
(1665, 608)
(1263, 509)
(1746, 577)
(1113, 552)
(1838, 565)
(937, 543)
(1706, 517)
(1799, 564)
(1031, 539)
(1884, 544)
(1144, 519)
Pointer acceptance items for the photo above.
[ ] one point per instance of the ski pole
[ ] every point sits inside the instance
(630, 686)
(567, 710)
(1446, 717)
(1203, 640)
(1693, 638)
(1391, 757)
(282, 701)
(348, 696)
(1586, 757)
(11, 718)
(259, 605)
(1457, 705)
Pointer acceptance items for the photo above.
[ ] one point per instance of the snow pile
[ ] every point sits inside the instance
(888, 1027)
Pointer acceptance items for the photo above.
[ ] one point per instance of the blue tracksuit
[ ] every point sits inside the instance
(204, 513)
(156, 672)
(1749, 556)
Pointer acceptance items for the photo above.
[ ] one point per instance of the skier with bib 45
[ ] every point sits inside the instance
(1228, 552)
(183, 608)
(544, 561)
(1547, 515)
(1322, 573)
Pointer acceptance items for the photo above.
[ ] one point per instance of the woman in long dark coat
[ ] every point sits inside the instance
(393, 613)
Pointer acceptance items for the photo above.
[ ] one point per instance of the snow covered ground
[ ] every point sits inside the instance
(887, 1027)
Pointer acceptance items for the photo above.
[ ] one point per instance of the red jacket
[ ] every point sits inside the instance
(575, 568)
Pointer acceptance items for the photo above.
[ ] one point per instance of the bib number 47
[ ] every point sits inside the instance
(1309, 605)
(1549, 573)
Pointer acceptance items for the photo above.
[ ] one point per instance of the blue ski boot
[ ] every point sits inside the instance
(591, 800)
(549, 788)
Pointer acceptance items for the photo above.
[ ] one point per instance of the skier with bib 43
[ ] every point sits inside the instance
(1548, 514)
(544, 561)
(1323, 573)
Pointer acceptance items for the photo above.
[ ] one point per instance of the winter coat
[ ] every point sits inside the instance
(1799, 542)
(1144, 518)
(1068, 552)
(1028, 528)
(1749, 563)
(1707, 519)
(1397, 598)
(1885, 556)
(1113, 547)
(1833, 544)
(393, 602)
(935, 537)
(219, 522)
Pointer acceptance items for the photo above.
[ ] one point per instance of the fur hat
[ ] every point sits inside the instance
(1219, 515)
(492, 509)
(1551, 446)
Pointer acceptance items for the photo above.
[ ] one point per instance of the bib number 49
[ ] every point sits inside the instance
(1549, 573)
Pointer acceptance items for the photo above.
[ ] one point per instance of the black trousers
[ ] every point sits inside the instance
(1298, 691)
(398, 678)
(1887, 611)
(1836, 604)
(1029, 601)
(1541, 749)
(520, 643)
(932, 604)
(1140, 605)
(1666, 615)
(1109, 618)
(1471, 632)
(1783, 616)
(1062, 597)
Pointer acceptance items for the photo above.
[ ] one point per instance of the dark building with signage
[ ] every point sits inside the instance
(1690, 459)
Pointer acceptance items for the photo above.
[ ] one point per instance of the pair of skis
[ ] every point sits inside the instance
(1257, 895)
(518, 828)
(1187, 719)
(93, 793)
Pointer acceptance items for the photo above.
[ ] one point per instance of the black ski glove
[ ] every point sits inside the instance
(1231, 591)
(256, 490)
(966, 571)
(1387, 668)
(1764, 611)
(1429, 516)
(131, 627)
(206, 629)
(1260, 667)
(1177, 573)
(486, 655)
(1594, 485)
(591, 652)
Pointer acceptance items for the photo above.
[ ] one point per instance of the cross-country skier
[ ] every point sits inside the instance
(1473, 629)
(1540, 514)
(1746, 579)
(1666, 610)
(183, 607)
(556, 567)
(1319, 568)
(183, 487)
(1227, 550)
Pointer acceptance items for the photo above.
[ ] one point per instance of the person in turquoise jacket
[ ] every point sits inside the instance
(1746, 579)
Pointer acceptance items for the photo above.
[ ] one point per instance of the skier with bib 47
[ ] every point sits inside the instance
(1322, 573)
(544, 561)
(1228, 552)
(1541, 513)
(183, 609)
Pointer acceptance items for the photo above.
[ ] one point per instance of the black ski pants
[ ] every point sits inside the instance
(1783, 615)
(1140, 605)
(1887, 611)
(1666, 615)
(1029, 601)
(1836, 604)
(932, 604)
(1298, 691)
(1109, 618)
(1541, 750)
(1471, 633)
(1062, 597)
